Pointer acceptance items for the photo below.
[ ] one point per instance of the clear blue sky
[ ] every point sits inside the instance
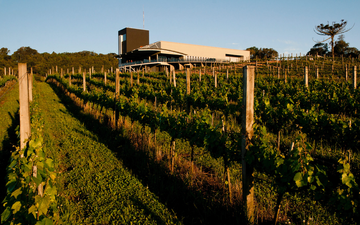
(77, 25)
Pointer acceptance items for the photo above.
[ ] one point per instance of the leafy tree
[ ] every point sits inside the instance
(262, 53)
(319, 49)
(331, 31)
(253, 51)
(340, 46)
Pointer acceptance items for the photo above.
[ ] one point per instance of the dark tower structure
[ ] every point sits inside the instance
(130, 39)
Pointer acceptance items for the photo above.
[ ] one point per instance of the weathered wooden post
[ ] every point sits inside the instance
(174, 77)
(112, 70)
(117, 91)
(354, 81)
(30, 77)
(227, 74)
(90, 71)
(25, 129)
(346, 72)
(213, 72)
(61, 72)
(143, 72)
(84, 81)
(188, 75)
(131, 79)
(4, 71)
(117, 82)
(215, 75)
(306, 76)
(317, 73)
(200, 74)
(70, 79)
(247, 133)
(105, 78)
(56, 70)
(278, 72)
(138, 77)
(72, 71)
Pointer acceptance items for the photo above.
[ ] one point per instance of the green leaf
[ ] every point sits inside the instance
(11, 186)
(16, 207)
(37, 180)
(298, 178)
(44, 205)
(49, 164)
(17, 192)
(32, 210)
(36, 143)
(5, 215)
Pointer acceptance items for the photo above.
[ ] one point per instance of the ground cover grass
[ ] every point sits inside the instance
(95, 188)
(9, 119)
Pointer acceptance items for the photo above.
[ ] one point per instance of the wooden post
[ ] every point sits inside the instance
(174, 77)
(306, 76)
(25, 129)
(143, 72)
(215, 75)
(117, 82)
(227, 74)
(30, 77)
(138, 77)
(188, 75)
(346, 72)
(247, 133)
(56, 71)
(84, 81)
(200, 74)
(131, 78)
(4, 71)
(354, 81)
(72, 71)
(90, 73)
(61, 72)
(278, 72)
(317, 73)
(105, 78)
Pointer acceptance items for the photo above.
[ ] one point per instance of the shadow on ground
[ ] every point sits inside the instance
(191, 206)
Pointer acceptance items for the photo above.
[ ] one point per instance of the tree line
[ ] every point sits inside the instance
(43, 62)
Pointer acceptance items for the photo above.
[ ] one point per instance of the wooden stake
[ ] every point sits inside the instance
(247, 133)
(25, 129)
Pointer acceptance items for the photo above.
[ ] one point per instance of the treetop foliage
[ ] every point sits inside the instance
(262, 53)
(42, 62)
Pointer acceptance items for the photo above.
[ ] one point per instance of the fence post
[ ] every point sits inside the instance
(30, 84)
(105, 78)
(25, 129)
(131, 78)
(354, 81)
(247, 133)
(215, 74)
(174, 77)
(4, 71)
(188, 75)
(306, 76)
(84, 81)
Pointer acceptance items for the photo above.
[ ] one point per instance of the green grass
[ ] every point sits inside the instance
(9, 119)
(95, 188)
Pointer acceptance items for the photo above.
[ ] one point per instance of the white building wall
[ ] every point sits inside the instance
(205, 51)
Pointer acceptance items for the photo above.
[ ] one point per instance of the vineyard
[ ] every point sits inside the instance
(166, 147)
